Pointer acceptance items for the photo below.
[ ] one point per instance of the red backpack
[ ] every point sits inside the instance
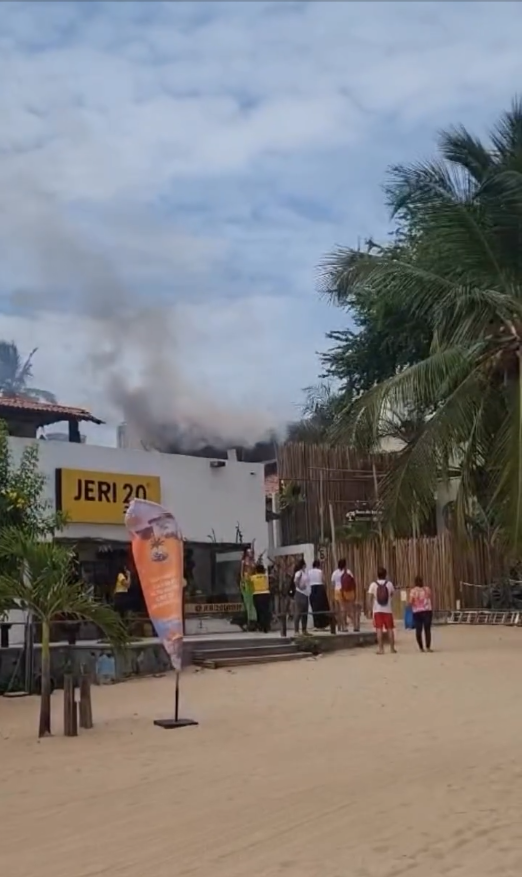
(348, 585)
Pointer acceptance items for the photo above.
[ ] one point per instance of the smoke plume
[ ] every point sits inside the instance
(136, 356)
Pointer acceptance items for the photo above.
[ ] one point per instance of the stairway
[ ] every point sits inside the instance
(216, 656)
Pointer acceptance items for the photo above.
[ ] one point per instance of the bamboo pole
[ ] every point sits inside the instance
(332, 528)
(321, 504)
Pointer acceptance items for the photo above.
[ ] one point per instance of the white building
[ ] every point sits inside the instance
(219, 505)
(210, 499)
(59, 437)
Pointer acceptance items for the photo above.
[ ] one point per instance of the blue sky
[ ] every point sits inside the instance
(197, 160)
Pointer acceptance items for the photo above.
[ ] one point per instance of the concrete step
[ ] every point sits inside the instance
(244, 642)
(223, 663)
(243, 651)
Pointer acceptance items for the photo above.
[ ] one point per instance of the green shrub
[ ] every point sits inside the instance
(311, 644)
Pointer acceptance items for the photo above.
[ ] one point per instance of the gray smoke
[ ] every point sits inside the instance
(136, 356)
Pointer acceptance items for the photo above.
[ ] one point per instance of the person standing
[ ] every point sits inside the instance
(349, 595)
(261, 596)
(245, 587)
(121, 592)
(301, 596)
(421, 603)
(380, 595)
(318, 597)
(340, 579)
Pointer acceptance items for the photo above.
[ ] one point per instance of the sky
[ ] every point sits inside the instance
(194, 163)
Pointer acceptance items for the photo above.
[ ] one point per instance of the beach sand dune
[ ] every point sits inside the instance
(346, 765)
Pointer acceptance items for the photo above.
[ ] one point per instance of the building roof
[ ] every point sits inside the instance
(43, 413)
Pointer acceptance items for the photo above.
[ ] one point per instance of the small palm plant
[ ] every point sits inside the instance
(39, 578)
(15, 374)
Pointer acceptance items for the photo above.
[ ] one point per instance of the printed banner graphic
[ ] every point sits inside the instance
(157, 548)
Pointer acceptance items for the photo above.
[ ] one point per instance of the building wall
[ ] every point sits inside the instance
(206, 502)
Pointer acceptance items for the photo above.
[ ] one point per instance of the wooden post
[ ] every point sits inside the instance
(321, 505)
(70, 714)
(376, 491)
(283, 615)
(333, 620)
(332, 528)
(85, 702)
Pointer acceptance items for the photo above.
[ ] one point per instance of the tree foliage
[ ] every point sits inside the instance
(23, 505)
(22, 492)
(461, 278)
(38, 577)
(322, 406)
(387, 336)
(16, 372)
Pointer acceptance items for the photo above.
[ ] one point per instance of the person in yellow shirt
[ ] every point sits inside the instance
(261, 594)
(121, 591)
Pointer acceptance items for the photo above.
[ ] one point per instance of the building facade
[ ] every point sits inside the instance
(211, 500)
(219, 505)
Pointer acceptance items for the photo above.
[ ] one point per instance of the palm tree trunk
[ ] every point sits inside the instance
(45, 696)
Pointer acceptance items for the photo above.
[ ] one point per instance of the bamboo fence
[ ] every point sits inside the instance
(326, 475)
(443, 563)
(337, 479)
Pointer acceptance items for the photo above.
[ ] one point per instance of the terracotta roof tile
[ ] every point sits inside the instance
(21, 403)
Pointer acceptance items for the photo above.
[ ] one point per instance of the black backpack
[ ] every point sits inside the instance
(383, 595)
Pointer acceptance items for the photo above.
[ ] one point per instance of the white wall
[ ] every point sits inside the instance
(201, 498)
(446, 492)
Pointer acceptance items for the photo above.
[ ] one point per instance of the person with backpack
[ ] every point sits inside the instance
(343, 583)
(381, 592)
(349, 594)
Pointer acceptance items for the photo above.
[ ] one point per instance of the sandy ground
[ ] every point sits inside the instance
(348, 765)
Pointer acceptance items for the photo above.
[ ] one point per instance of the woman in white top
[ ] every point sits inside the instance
(318, 597)
(302, 593)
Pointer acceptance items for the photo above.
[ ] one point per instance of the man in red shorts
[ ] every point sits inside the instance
(380, 593)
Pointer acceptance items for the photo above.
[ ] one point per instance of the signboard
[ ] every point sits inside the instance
(157, 548)
(101, 497)
(214, 608)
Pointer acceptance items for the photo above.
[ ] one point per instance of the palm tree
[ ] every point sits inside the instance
(462, 274)
(40, 581)
(15, 372)
(322, 403)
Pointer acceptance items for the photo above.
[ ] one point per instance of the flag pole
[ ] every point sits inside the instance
(157, 551)
(176, 722)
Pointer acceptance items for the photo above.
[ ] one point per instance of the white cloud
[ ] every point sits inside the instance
(207, 155)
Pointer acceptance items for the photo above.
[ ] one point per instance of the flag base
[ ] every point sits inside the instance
(169, 724)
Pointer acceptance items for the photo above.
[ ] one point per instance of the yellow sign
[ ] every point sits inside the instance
(101, 497)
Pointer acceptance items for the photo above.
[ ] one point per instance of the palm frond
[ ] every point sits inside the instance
(459, 147)
(26, 368)
(506, 136)
(40, 578)
(14, 373)
(342, 270)
(40, 395)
